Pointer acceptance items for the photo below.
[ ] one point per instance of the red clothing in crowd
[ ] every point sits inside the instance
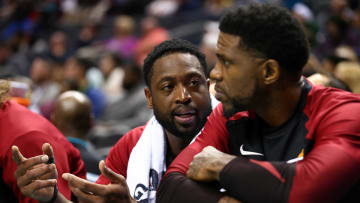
(29, 131)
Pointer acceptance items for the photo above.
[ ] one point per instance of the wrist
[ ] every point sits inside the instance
(220, 164)
(54, 197)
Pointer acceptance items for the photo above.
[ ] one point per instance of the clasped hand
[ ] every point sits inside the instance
(207, 165)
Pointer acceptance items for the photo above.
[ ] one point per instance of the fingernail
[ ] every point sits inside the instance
(65, 176)
(44, 158)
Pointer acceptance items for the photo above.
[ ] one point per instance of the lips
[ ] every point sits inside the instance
(219, 95)
(184, 116)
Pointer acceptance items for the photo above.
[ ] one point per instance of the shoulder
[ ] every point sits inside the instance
(322, 101)
(332, 112)
(24, 125)
(119, 154)
(133, 136)
(128, 141)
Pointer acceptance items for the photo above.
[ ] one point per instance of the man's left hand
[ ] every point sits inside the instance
(207, 164)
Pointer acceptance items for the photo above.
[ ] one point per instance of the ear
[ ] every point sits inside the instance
(148, 97)
(270, 71)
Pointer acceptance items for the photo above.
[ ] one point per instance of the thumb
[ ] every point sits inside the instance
(110, 174)
(48, 150)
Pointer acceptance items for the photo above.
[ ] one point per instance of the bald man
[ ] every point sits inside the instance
(74, 118)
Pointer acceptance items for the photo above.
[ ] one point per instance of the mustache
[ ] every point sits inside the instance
(180, 108)
(217, 88)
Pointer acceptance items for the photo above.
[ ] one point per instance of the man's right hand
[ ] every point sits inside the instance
(35, 178)
(85, 191)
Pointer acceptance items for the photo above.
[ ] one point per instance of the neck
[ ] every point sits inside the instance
(282, 104)
(177, 144)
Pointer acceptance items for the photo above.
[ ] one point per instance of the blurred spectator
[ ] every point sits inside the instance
(330, 62)
(58, 73)
(44, 90)
(5, 68)
(76, 12)
(346, 52)
(123, 40)
(338, 8)
(328, 81)
(58, 48)
(112, 68)
(349, 73)
(13, 61)
(217, 6)
(208, 44)
(20, 90)
(129, 111)
(303, 13)
(75, 71)
(94, 77)
(74, 118)
(152, 35)
(208, 47)
(341, 53)
(338, 32)
(87, 35)
(162, 8)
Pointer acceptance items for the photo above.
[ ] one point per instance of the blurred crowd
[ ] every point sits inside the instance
(48, 47)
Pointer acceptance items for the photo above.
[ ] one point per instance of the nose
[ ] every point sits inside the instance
(215, 73)
(182, 95)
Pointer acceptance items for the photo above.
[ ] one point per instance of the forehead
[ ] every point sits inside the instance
(227, 43)
(176, 64)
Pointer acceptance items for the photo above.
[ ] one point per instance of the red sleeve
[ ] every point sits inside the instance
(334, 162)
(118, 157)
(325, 175)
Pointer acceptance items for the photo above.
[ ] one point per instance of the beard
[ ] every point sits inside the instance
(234, 105)
(181, 131)
(231, 108)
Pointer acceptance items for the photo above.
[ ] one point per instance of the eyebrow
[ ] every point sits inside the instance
(222, 57)
(194, 74)
(166, 78)
(187, 76)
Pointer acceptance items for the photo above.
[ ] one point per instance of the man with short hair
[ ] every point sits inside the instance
(275, 138)
(178, 92)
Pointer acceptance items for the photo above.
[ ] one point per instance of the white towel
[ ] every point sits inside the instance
(147, 159)
(147, 162)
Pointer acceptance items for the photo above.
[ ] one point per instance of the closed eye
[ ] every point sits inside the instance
(223, 60)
